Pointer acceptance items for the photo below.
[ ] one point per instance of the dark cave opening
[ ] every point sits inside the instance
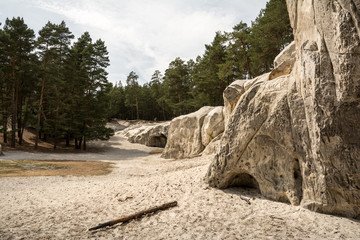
(158, 141)
(244, 180)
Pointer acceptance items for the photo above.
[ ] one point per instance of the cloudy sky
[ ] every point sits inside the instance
(141, 35)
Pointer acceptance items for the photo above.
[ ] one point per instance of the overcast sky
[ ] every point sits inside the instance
(140, 35)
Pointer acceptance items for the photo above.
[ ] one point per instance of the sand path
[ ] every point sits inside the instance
(65, 207)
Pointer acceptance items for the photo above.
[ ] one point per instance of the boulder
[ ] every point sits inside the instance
(213, 125)
(256, 149)
(284, 62)
(296, 137)
(185, 135)
(213, 147)
(152, 135)
(234, 91)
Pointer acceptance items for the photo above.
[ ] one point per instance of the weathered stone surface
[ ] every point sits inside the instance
(284, 62)
(325, 95)
(184, 138)
(152, 135)
(213, 147)
(296, 138)
(234, 91)
(1, 153)
(258, 143)
(213, 125)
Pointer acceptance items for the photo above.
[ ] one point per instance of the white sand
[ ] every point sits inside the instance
(65, 207)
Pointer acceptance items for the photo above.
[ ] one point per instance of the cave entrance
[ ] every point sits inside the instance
(244, 180)
(158, 141)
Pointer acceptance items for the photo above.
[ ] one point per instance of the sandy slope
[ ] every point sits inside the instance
(65, 207)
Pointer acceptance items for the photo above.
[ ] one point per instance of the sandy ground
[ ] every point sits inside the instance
(65, 207)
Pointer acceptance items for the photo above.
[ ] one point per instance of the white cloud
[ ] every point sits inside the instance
(146, 35)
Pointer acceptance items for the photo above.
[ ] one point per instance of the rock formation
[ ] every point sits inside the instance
(1, 153)
(212, 126)
(284, 62)
(152, 135)
(297, 137)
(190, 134)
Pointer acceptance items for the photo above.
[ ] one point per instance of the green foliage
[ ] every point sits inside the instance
(270, 33)
(177, 85)
(209, 84)
(60, 89)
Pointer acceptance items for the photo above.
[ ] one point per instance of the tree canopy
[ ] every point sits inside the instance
(58, 89)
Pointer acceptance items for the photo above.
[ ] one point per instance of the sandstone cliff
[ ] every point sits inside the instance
(295, 135)
(189, 134)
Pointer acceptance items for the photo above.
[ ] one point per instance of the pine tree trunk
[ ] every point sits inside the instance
(13, 110)
(80, 143)
(56, 126)
(19, 122)
(67, 140)
(4, 117)
(137, 108)
(25, 119)
(84, 144)
(39, 113)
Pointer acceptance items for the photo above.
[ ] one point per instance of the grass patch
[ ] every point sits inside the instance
(29, 168)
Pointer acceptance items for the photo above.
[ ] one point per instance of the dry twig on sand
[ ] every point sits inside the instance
(136, 215)
(246, 200)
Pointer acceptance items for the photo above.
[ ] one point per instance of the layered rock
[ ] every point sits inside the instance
(284, 62)
(296, 137)
(234, 91)
(212, 126)
(152, 135)
(190, 134)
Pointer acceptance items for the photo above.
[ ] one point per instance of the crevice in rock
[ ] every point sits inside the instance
(298, 179)
(355, 16)
(244, 180)
(158, 141)
(283, 198)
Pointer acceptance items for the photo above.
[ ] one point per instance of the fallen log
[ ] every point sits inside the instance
(136, 215)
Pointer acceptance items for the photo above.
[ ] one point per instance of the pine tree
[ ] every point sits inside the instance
(208, 84)
(237, 60)
(19, 44)
(91, 89)
(54, 47)
(177, 84)
(132, 92)
(270, 33)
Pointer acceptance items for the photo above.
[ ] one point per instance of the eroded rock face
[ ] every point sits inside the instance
(257, 146)
(234, 91)
(284, 62)
(213, 125)
(297, 137)
(152, 135)
(325, 90)
(185, 138)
